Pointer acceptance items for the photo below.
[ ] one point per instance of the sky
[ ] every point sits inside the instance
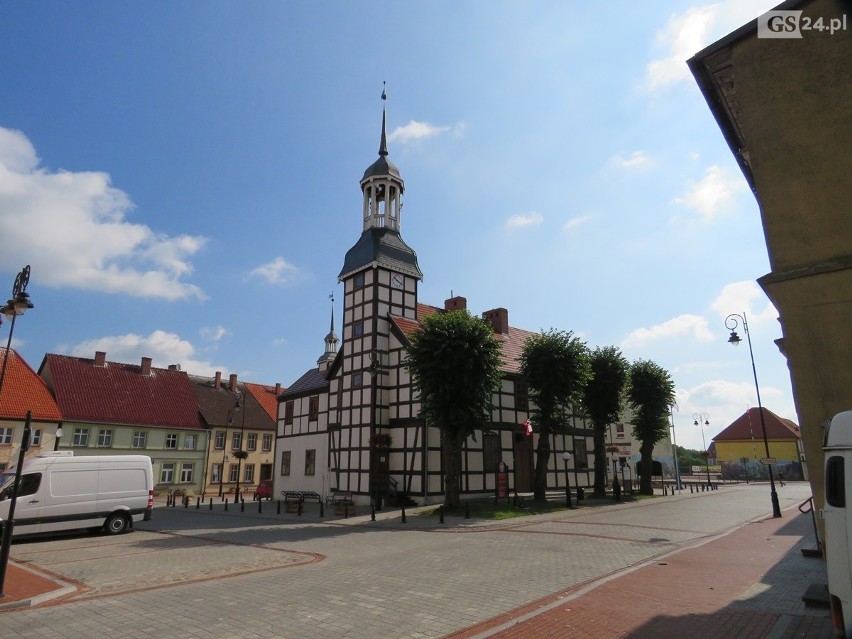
(183, 178)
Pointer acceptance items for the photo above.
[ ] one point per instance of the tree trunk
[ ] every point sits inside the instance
(601, 461)
(542, 459)
(645, 487)
(451, 453)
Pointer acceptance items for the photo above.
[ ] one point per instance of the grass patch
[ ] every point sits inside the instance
(501, 510)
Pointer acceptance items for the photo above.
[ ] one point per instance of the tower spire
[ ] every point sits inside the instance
(383, 145)
(331, 342)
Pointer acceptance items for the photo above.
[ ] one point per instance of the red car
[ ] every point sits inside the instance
(264, 490)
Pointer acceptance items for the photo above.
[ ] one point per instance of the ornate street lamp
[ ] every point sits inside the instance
(731, 323)
(240, 454)
(703, 419)
(616, 487)
(18, 304)
(566, 457)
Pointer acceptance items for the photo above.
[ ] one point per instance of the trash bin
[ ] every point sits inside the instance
(581, 494)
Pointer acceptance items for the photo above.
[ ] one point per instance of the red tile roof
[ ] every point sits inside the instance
(23, 390)
(120, 394)
(511, 345)
(266, 397)
(747, 426)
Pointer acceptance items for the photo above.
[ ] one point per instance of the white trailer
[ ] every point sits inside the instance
(837, 515)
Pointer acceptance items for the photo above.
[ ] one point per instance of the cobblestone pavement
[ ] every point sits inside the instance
(192, 573)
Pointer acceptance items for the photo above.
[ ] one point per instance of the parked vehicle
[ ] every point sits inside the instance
(264, 490)
(58, 491)
(838, 520)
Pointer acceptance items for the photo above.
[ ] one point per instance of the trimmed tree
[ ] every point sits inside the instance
(602, 400)
(556, 367)
(651, 393)
(454, 362)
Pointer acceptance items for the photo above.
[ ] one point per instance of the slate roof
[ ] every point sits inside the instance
(23, 390)
(747, 426)
(313, 380)
(118, 393)
(511, 345)
(385, 247)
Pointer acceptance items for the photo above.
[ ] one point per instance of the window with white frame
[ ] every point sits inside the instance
(216, 474)
(186, 473)
(104, 438)
(35, 437)
(236, 441)
(285, 462)
(81, 437)
(221, 435)
(190, 441)
(619, 430)
(171, 441)
(310, 461)
(167, 474)
(248, 476)
(251, 441)
(6, 436)
(139, 439)
(267, 442)
(233, 472)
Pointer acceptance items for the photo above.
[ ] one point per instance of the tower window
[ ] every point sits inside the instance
(358, 280)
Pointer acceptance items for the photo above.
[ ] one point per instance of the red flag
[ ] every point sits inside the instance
(528, 428)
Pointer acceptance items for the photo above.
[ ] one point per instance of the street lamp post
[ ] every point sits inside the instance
(566, 457)
(703, 419)
(731, 323)
(616, 487)
(18, 304)
(240, 454)
(224, 448)
(674, 450)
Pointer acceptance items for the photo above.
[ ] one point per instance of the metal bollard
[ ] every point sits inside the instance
(197, 503)
(278, 508)
(226, 504)
(242, 505)
(211, 504)
(403, 515)
(372, 512)
(322, 509)
(441, 513)
(259, 506)
(299, 508)
(346, 511)
(466, 510)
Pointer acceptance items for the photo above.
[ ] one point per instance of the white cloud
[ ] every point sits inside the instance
(745, 297)
(278, 271)
(422, 130)
(687, 33)
(163, 348)
(712, 193)
(72, 228)
(214, 333)
(574, 222)
(533, 218)
(693, 326)
(633, 161)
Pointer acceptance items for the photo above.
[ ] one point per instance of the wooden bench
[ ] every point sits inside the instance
(340, 498)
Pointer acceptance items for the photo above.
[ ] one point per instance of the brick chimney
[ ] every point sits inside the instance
(499, 320)
(146, 366)
(100, 358)
(455, 303)
(277, 389)
(217, 383)
(232, 382)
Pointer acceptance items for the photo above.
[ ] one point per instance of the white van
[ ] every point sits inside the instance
(838, 520)
(58, 491)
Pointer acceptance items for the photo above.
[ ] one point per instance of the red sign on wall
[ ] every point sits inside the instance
(502, 485)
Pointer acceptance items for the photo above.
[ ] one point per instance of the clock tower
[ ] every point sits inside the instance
(380, 276)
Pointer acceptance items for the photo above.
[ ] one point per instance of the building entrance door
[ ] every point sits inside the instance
(523, 466)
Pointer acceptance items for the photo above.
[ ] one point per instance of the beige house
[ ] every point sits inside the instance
(783, 106)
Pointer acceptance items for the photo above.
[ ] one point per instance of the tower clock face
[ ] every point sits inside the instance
(397, 280)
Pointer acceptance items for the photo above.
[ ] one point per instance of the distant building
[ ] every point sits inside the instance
(24, 391)
(742, 443)
(111, 408)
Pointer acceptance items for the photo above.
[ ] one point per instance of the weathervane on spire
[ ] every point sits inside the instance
(384, 90)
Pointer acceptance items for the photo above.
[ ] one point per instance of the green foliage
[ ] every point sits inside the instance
(556, 367)
(602, 400)
(454, 361)
(651, 393)
(687, 457)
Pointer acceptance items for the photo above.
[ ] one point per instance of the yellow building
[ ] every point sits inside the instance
(742, 443)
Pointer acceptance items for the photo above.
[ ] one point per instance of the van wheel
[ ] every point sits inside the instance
(116, 524)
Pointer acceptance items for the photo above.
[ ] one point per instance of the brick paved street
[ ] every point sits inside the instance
(200, 573)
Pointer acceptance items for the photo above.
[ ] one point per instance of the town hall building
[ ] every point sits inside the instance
(352, 422)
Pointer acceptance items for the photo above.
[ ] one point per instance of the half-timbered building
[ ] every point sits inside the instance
(352, 422)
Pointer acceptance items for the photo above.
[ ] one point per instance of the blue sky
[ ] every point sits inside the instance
(183, 179)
